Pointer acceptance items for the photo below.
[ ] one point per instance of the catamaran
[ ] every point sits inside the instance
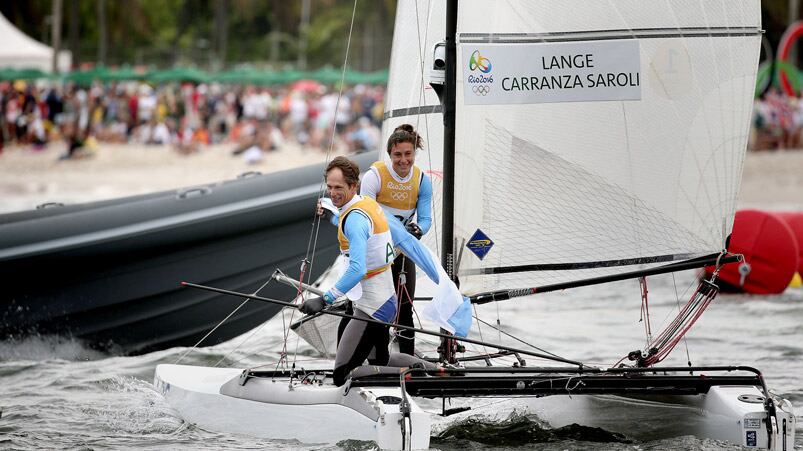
(589, 142)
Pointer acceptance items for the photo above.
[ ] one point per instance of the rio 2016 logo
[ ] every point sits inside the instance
(480, 62)
(480, 83)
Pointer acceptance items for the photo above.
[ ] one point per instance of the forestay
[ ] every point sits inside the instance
(590, 143)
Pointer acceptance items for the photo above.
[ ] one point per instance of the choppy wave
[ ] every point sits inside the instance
(38, 348)
(56, 393)
(519, 430)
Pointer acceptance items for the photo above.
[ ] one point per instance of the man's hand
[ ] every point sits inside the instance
(414, 230)
(322, 212)
(312, 306)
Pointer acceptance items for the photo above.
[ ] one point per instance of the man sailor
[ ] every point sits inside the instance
(365, 240)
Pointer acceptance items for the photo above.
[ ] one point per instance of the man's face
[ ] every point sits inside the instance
(340, 191)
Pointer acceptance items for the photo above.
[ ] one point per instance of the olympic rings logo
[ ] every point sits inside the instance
(481, 90)
(399, 196)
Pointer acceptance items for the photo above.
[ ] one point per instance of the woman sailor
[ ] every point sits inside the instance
(404, 192)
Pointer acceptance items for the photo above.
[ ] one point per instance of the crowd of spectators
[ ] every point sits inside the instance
(188, 117)
(777, 121)
(253, 119)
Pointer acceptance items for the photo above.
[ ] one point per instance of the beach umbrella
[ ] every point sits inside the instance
(306, 86)
(233, 76)
(88, 76)
(249, 76)
(123, 74)
(178, 74)
(379, 77)
(288, 76)
(326, 75)
(22, 74)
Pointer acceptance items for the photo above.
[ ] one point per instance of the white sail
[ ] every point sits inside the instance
(587, 180)
(585, 185)
(411, 100)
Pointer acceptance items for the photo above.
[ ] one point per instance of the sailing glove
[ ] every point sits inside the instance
(312, 306)
(414, 230)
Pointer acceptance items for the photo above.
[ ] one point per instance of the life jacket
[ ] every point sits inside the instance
(398, 198)
(374, 294)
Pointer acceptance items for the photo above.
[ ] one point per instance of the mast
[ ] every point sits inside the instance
(447, 245)
(448, 346)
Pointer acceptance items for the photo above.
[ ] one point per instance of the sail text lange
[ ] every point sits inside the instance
(567, 61)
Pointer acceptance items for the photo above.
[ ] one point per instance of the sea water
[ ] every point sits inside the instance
(57, 394)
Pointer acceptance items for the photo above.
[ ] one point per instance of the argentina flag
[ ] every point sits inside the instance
(448, 309)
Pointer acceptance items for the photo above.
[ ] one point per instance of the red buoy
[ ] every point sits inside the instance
(770, 250)
(794, 219)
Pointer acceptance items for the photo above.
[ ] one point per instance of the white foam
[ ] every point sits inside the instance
(47, 347)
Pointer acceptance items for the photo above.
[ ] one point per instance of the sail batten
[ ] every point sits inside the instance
(412, 111)
(691, 32)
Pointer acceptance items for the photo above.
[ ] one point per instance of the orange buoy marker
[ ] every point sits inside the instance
(794, 219)
(771, 254)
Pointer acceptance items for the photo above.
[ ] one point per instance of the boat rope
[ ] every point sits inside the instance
(677, 300)
(645, 309)
(299, 295)
(312, 243)
(316, 222)
(665, 342)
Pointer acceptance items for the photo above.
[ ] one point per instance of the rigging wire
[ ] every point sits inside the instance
(195, 346)
(479, 328)
(313, 241)
(421, 101)
(677, 300)
(501, 332)
(314, 233)
(317, 219)
(311, 244)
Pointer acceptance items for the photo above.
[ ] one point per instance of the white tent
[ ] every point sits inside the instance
(20, 51)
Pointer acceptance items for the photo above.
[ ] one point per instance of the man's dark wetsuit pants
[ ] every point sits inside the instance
(405, 295)
(355, 341)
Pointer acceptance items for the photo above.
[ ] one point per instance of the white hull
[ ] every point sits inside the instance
(727, 413)
(277, 409)
(215, 399)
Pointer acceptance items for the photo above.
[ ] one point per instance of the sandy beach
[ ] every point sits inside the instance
(29, 177)
(773, 180)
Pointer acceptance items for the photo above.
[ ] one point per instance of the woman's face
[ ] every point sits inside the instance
(402, 156)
